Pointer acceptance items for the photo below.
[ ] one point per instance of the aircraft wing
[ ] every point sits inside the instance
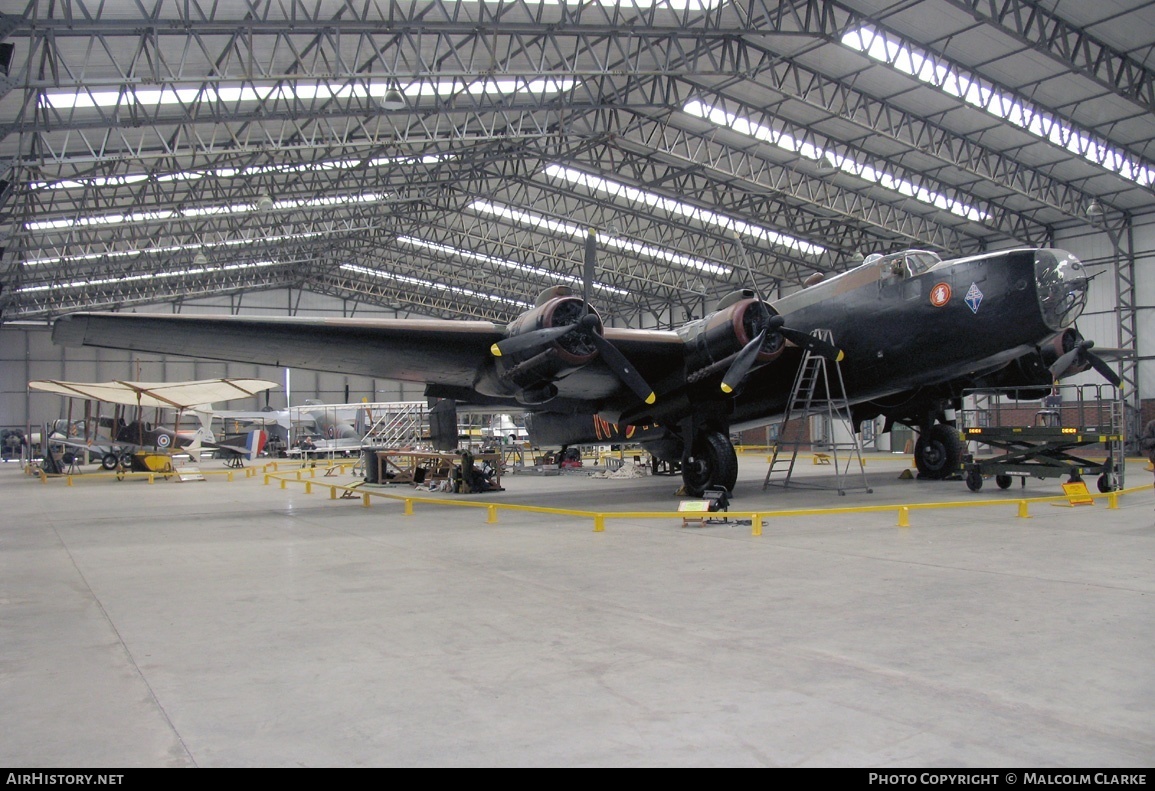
(446, 352)
(449, 354)
(174, 395)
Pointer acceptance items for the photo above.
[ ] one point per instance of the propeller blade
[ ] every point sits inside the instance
(588, 268)
(807, 341)
(1100, 365)
(531, 339)
(625, 372)
(743, 361)
(1068, 360)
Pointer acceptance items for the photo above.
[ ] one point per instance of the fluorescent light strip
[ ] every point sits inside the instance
(614, 189)
(982, 94)
(717, 115)
(302, 91)
(413, 281)
(555, 226)
(505, 263)
(178, 248)
(672, 5)
(204, 270)
(256, 170)
(200, 211)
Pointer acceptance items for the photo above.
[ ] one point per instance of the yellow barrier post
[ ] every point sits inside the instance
(284, 483)
(298, 475)
(1112, 500)
(332, 492)
(229, 476)
(904, 517)
(267, 478)
(408, 506)
(1023, 510)
(69, 480)
(151, 479)
(308, 487)
(491, 519)
(756, 525)
(599, 523)
(365, 499)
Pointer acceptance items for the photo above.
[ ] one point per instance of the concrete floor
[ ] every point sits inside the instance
(221, 624)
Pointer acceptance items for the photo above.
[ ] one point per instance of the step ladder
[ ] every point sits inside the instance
(818, 391)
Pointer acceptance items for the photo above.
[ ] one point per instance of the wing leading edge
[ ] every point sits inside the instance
(442, 352)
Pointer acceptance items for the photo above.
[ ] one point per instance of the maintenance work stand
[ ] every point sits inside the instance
(1040, 441)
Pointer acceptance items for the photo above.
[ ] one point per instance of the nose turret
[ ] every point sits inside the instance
(1061, 283)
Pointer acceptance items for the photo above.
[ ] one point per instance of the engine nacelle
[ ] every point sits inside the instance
(1059, 345)
(712, 342)
(528, 374)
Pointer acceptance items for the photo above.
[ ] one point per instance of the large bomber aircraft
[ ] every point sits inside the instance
(911, 331)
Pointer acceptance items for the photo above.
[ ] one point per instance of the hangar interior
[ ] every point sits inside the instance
(443, 159)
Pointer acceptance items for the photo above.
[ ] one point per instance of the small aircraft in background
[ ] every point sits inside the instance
(503, 427)
(910, 331)
(319, 426)
(114, 438)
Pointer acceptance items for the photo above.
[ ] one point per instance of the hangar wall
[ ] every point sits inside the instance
(1099, 321)
(27, 353)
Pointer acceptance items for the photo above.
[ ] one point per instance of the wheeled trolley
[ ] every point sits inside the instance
(1043, 441)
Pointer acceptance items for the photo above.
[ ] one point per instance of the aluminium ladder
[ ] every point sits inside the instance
(816, 393)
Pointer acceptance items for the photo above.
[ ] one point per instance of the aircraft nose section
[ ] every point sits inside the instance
(1061, 282)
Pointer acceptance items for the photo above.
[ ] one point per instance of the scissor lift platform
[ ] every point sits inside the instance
(1082, 417)
(1041, 452)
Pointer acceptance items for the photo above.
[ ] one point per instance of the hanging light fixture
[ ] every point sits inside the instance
(393, 99)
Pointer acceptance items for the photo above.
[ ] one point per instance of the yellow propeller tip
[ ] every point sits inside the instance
(651, 398)
(841, 354)
(495, 351)
(727, 389)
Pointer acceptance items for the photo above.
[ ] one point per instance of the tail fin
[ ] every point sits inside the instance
(255, 443)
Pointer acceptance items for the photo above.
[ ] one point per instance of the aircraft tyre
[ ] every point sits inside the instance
(714, 464)
(937, 452)
(109, 461)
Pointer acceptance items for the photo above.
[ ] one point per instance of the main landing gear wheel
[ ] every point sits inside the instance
(109, 461)
(713, 463)
(938, 452)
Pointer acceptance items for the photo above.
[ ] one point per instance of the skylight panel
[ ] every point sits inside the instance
(151, 276)
(671, 206)
(673, 5)
(254, 170)
(982, 94)
(202, 211)
(504, 263)
(414, 281)
(181, 248)
(717, 115)
(304, 91)
(569, 229)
